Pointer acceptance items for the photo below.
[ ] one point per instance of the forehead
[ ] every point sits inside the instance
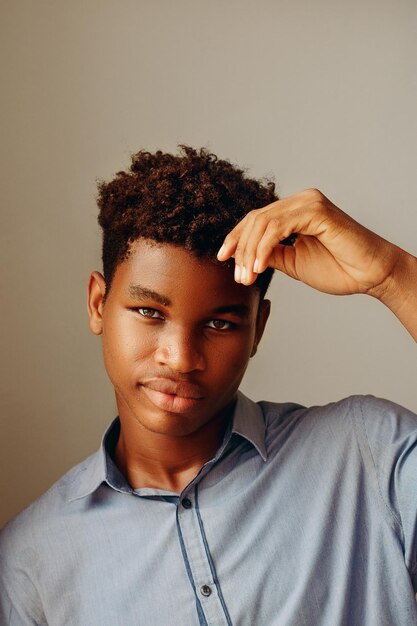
(177, 274)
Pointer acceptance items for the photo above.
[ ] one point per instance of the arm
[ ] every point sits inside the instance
(16, 607)
(332, 253)
(20, 604)
(400, 292)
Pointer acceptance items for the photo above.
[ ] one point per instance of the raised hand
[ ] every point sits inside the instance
(332, 252)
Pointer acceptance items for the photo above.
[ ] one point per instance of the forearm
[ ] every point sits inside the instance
(399, 293)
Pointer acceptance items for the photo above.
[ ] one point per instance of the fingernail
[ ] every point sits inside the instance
(237, 274)
(256, 266)
(243, 275)
(220, 252)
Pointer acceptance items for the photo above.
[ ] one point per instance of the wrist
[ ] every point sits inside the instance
(401, 282)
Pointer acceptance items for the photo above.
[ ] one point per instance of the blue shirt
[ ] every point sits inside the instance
(304, 517)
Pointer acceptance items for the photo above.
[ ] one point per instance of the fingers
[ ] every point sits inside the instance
(255, 240)
(253, 231)
(252, 243)
(232, 240)
(284, 260)
(230, 243)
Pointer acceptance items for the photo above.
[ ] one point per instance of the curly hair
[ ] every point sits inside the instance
(192, 200)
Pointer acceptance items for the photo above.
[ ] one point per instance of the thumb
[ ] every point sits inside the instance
(283, 260)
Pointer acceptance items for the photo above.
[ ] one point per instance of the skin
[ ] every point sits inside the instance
(173, 323)
(332, 253)
(164, 441)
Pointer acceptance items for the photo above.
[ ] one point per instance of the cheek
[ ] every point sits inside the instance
(124, 345)
(232, 359)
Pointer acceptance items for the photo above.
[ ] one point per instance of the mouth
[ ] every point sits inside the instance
(171, 396)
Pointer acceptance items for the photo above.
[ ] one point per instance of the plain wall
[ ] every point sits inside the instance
(319, 94)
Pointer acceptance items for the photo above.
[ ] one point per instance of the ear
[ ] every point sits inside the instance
(261, 319)
(95, 302)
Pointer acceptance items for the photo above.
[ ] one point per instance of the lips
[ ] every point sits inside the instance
(182, 389)
(173, 396)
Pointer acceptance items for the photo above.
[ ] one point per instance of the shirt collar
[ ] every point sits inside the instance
(248, 422)
(100, 468)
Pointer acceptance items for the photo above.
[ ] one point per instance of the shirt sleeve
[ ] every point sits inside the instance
(391, 434)
(19, 600)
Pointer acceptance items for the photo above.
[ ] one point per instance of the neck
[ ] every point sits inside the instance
(160, 461)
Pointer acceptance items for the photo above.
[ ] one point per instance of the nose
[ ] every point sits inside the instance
(181, 351)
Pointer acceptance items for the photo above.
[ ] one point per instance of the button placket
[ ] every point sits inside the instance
(198, 561)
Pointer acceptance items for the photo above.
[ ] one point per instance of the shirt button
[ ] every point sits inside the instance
(186, 503)
(205, 590)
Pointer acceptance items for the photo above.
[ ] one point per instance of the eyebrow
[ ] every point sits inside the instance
(242, 310)
(141, 293)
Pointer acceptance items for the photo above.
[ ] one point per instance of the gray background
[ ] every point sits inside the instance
(319, 94)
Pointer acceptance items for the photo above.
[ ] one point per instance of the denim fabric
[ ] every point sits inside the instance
(304, 517)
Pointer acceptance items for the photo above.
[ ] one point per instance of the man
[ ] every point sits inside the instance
(201, 506)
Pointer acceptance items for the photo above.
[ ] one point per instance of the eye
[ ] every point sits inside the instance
(220, 324)
(149, 313)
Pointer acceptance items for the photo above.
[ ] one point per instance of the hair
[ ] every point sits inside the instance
(192, 199)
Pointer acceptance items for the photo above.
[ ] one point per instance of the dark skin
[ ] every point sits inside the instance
(173, 357)
(177, 335)
(332, 253)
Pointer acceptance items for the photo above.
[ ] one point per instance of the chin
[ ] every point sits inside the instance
(170, 425)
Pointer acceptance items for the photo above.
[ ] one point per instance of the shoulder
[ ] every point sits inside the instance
(290, 415)
(368, 407)
(28, 529)
(365, 416)
(383, 419)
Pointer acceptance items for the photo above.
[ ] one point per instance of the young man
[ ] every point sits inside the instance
(201, 506)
